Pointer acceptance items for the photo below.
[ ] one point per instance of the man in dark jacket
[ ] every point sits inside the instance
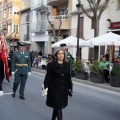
(69, 57)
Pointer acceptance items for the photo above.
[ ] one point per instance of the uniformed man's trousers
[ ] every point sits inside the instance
(20, 79)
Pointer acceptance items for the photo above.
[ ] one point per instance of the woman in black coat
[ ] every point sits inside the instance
(59, 84)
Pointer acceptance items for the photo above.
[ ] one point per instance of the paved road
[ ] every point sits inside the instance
(88, 103)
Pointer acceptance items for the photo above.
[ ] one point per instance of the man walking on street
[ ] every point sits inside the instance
(21, 68)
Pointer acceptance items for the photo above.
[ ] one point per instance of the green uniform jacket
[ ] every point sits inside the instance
(18, 58)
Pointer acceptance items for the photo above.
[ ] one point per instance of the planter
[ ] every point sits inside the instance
(96, 78)
(115, 81)
(81, 75)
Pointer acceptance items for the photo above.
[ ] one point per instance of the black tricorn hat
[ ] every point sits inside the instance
(63, 44)
(21, 44)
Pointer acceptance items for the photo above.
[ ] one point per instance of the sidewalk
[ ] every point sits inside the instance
(87, 82)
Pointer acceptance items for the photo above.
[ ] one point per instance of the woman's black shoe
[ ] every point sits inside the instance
(22, 98)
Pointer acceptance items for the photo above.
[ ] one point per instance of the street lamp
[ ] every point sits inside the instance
(79, 11)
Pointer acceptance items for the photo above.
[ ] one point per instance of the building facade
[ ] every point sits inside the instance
(25, 23)
(58, 8)
(39, 35)
(10, 20)
(110, 17)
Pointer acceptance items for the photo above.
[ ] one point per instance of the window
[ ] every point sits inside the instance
(15, 28)
(10, 28)
(5, 14)
(10, 10)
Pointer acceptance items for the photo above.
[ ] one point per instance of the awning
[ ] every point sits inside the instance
(113, 30)
(40, 38)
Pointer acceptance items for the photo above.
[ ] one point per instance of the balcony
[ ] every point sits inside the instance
(13, 2)
(26, 37)
(37, 5)
(38, 26)
(65, 22)
(13, 35)
(56, 2)
(14, 18)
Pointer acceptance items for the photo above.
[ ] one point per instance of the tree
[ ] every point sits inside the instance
(97, 10)
(95, 6)
(52, 24)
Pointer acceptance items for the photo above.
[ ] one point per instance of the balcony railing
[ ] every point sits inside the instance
(38, 26)
(28, 18)
(55, 20)
(57, 17)
(26, 37)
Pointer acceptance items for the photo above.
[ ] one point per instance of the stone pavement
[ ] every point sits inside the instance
(87, 82)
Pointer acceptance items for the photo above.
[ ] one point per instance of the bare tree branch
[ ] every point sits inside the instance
(97, 4)
(51, 24)
(91, 5)
(59, 27)
(92, 2)
(105, 4)
(91, 17)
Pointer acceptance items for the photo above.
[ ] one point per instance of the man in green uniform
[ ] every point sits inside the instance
(21, 68)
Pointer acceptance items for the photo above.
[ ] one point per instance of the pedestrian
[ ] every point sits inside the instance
(21, 68)
(115, 60)
(31, 58)
(36, 61)
(69, 58)
(106, 65)
(40, 53)
(119, 60)
(59, 84)
(107, 55)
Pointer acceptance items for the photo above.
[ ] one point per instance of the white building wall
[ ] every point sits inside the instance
(23, 28)
(112, 12)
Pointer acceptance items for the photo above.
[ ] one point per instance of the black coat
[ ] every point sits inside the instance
(58, 82)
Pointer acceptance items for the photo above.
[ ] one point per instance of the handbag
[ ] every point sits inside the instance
(44, 91)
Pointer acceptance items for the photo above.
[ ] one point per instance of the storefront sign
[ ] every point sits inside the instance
(115, 25)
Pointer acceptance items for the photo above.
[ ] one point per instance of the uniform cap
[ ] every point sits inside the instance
(63, 44)
(21, 44)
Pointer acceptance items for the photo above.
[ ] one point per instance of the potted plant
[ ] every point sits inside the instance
(79, 70)
(115, 77)
(96, 72)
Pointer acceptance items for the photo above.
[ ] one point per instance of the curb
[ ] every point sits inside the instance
(87, 82)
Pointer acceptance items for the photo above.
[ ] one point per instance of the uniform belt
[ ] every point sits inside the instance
(21, 64)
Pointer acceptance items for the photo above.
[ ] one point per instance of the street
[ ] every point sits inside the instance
(87, 103)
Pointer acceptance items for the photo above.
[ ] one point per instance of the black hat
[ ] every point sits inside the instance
(21, 44)
(63, 44)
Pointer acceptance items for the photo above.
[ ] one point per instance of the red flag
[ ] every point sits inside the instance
(4, 58)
